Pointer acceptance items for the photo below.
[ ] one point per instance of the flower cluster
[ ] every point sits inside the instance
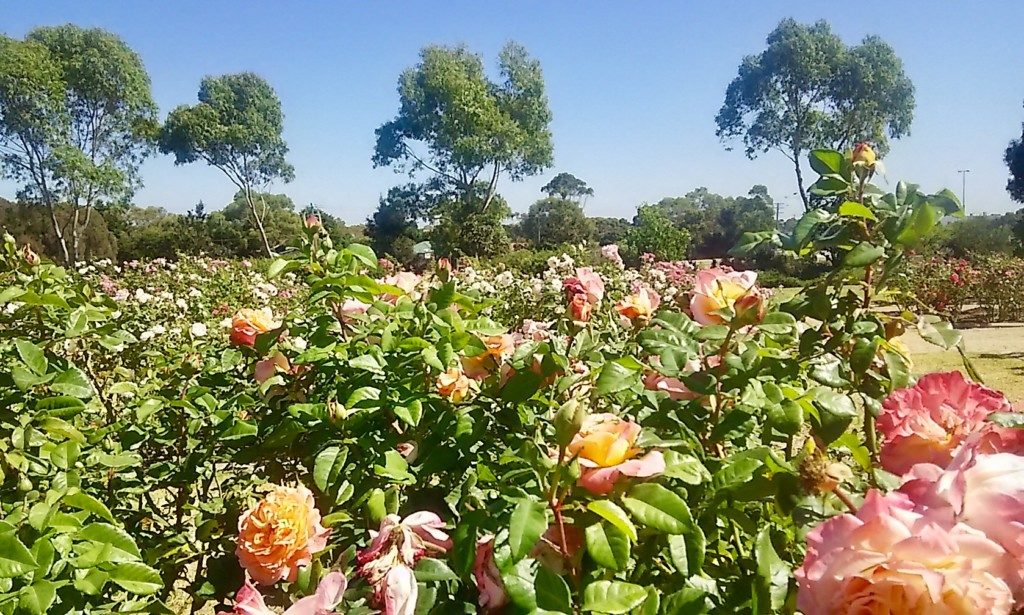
(949, 540)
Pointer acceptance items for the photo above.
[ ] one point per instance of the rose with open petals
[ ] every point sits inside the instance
(984, 491)
(387, 563)
(247, 323)
(580, 308)
(889, 558)
(280, 534)
(267, 368)
(606, 451)
(406, 281)
(249, 600)
(350, 309)
(638, 308)
(717, 289)
(453, 384)
(928, 422)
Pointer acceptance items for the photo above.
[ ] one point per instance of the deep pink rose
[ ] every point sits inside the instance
(928, 422)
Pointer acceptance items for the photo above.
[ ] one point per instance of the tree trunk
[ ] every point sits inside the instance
(61, 243)
(800, 181)
(259, 221)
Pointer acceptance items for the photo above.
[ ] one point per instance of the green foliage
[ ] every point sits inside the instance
(717, 223)
(808, 90)
(567, 187)
(235, 127)
(610, 230)
(76, 120)
(555, 221)
(1014, 159)
(654, 233)
(393, 229)
(466, 229)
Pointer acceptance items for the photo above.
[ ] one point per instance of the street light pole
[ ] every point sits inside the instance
(963, 186)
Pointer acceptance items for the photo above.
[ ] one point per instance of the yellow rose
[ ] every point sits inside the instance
(280, 534)
(453, 384)
(863, 155)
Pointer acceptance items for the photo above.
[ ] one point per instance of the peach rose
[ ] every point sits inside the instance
(928, 422)
(499, 346)
(862, 154)
(717, 289)
(638, 308)
(267, 368)
(351, 308)
(604, 446)
(889, 558)
(453, 384)
(280, 534)
(247, 323)
(984, 491)
(406, 281)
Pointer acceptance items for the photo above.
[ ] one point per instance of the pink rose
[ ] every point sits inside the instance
(399, 592)
(889, 558)
(406, 281)
(605, 448)
(580, 308)
(611, 252)
(639, 307)
(592, 284)
(350, 309)
(387, 562)
(928, 422)
(267, 368)
(717, 289)
(249, 601)
(491, 589)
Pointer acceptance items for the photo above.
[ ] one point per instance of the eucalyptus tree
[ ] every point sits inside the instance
(237, 128)
(810, 90)
(77, 118)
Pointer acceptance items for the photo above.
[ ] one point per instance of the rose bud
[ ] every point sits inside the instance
(31, 258)
(863, 155)
(750, 310)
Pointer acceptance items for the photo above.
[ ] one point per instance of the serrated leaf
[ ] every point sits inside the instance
(136, 578)
(38, 597)
(613, 597)
(32, 355)
(105, 533)
(658, 508)
(15, 558)
(608, 546)
(328, 467)
(528, 522)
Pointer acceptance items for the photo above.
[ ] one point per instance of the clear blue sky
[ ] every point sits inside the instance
(634, 86)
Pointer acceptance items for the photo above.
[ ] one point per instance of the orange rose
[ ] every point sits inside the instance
(280, 534)
(580, 308)
(499, 346)
(246, 324)
(453, 384)
(605, 448)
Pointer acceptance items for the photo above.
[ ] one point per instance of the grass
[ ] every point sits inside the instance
(996, 351)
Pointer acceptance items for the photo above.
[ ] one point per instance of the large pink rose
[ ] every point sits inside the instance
(928, 422)
(889, 558)
(406, 281)
(387, 563)
(586, 282)
(984, 491)
(605, 449)
(717, 289)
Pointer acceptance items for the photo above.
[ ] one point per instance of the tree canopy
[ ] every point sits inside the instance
(808, 89)
(235, 127)
(76, 120)
(465, 129)
(1014, 158)
(716, 223)
(555, 221)
(567, 186)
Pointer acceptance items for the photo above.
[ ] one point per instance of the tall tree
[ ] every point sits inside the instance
(465, 129)
(1014, 158)
(807, 89)
(235, 127)
(394, 227)
(567, 186)
(555, 221)
(77, 118)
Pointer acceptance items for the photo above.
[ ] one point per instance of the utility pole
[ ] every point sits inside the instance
(963, 186)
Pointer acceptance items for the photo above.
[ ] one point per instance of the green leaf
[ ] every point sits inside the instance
(552, 591)
(528, 522)
(429, 569)
(939, 332)
(38, 597)
(65, 454)
(92, 583)
(687, 552)
(613, 597)
(617, 375)
(853, 209)
(611, 512)
(608, 546)
(658, 508)
(32, 355)
(836, 411)
(61, 406)
(136, 578)
(15, 558)
(74, 382)
(919, 224)
(105, 533)
(773, 575)
(328, 467)
(84, 501)
(826, 161)
(778, 323)
(279, 266)
(863, 254)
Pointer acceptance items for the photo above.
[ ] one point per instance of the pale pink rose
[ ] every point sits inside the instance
(249, 601)
(675, 388)
(328, 595)
(400, 591)
(592, 284)
(351, 308)
(535, 330)
(387, 562)
(928, 422)
(491, 589)
(267, 368)
(717, 289)
(639, 307)
(889, 558)
(611, 252)
(605, 448)
(984, 491)
(406, 281)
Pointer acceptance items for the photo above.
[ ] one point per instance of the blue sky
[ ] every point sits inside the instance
(634, 86)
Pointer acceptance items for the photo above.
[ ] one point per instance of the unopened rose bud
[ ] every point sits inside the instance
(9, 239)
(31, 258)
(568, 420)
(750, 309)
(863, 155)
(444, 269)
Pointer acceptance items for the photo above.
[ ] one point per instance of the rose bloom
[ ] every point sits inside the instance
(889, 558)
(717, 289)
(604, 446)
(387, 563)
(266, 368)
(351, 308)
(580, 308)
(984, 491)
(863, 154)
(587, 282)
(453, 384)
(928, 422)
(490, 588)
(499, 346)
(639, 307)
(280, 534)
(404, 280)
(246, 324)
(249, 600)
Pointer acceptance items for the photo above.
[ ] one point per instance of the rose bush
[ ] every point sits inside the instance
(653, 440)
